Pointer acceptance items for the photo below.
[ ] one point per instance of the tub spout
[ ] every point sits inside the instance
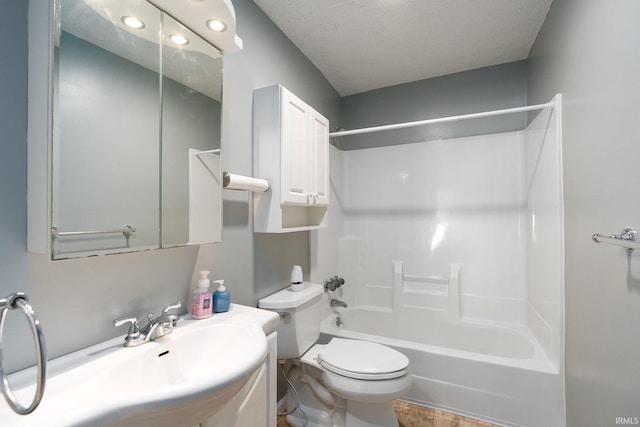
(338, 303)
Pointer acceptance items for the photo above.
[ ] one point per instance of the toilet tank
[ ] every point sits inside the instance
(299, 326)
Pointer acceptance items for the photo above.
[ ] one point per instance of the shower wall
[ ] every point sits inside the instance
(432, 204)
(545, 230)
(490, 204)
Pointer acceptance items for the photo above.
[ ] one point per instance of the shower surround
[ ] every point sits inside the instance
(454, 248)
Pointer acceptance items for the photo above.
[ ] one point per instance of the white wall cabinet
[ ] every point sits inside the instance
(291, 151)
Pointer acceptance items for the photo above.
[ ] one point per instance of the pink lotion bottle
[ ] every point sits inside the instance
(201, 302)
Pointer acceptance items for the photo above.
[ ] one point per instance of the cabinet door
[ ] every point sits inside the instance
(320, 158)
(295, 178)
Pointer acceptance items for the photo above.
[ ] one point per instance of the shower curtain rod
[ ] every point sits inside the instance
(442, 120)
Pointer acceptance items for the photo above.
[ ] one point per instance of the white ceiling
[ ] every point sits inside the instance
(361, 45)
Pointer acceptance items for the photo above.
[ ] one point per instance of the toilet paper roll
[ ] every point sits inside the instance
(232, 181)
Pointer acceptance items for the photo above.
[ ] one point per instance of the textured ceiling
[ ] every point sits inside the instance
(361, 45)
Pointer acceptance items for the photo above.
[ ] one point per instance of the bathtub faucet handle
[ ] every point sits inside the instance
(333, 283)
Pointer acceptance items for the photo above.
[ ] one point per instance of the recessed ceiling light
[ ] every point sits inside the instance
(133, 22)
(179, 39)
(216, 25)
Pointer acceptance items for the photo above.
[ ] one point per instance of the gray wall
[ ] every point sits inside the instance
(483, 89)
(77, 300)
(588, 50)
(255, 265)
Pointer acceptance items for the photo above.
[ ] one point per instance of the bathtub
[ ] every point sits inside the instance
(495, 373)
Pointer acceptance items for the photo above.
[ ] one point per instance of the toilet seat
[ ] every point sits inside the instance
(362, 360)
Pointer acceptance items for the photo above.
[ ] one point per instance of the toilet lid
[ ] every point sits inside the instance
(363, 360)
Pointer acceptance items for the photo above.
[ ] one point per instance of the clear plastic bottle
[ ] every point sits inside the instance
(201, 302)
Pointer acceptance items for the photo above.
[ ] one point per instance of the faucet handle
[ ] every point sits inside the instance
(173, 318)
(175, 305)
(134, 329)
(333, 283)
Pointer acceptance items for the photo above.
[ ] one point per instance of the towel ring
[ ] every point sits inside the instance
(13, 301)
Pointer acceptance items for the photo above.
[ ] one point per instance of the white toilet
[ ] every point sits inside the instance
(343, 383)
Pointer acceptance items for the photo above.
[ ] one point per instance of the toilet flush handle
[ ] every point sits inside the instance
(284, 314)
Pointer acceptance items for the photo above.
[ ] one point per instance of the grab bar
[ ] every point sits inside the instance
(626, 239)
(426, 279)
(13, 301)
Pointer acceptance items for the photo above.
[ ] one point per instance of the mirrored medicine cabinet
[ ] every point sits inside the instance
(135, 123)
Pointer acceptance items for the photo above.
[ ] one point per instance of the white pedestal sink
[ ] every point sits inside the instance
(183, 378)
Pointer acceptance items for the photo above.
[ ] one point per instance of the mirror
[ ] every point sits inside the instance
(136, 134)
(191, 149)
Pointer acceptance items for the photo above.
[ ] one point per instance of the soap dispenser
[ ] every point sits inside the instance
(201, 301)
(221, 298)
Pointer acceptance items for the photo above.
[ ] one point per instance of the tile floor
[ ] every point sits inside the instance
(418, 416)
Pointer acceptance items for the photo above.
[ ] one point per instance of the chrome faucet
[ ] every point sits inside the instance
(155, 327)
(338, 303)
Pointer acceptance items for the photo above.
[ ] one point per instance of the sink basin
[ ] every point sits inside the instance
(179, 379)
